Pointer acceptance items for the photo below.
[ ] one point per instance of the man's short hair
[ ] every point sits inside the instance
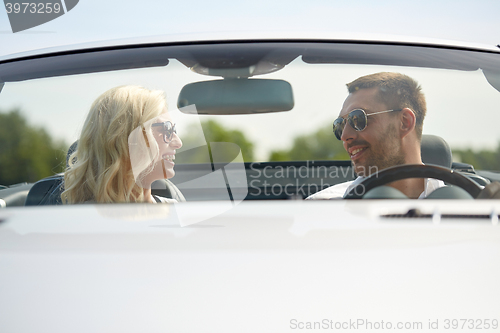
(397, 91)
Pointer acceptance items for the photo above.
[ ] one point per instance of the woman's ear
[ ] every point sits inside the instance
(408, 122)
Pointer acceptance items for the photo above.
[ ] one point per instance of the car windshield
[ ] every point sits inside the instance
(255, 119)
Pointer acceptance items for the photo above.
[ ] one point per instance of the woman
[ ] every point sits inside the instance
(127, 142)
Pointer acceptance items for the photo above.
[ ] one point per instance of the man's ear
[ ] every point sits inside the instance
(408, 121)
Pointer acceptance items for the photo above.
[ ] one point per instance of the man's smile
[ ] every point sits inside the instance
(356, 151)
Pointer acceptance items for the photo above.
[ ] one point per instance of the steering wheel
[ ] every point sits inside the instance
(399, 172)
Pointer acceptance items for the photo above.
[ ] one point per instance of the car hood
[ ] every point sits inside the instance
(254, 266)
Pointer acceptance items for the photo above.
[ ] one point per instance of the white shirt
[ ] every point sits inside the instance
(340, 190)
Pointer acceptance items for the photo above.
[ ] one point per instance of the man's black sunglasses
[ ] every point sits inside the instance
(168, 130)
(357, 119)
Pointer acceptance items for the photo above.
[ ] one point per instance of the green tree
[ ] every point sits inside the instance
(481, 160)
(321, 145)
(214, 132)
(27, 153)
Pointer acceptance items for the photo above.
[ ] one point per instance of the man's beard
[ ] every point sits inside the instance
(385, 157)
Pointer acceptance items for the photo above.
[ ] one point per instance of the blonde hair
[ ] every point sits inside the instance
(100, 170)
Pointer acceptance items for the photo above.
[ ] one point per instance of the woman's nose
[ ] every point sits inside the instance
(176, 142)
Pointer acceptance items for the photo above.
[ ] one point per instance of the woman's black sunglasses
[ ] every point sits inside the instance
(168, 130)
(357, 119)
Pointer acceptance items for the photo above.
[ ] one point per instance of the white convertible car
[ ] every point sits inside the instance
(241, 251)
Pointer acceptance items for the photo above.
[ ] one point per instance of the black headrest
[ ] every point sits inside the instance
(46, 191)
(435, 151)
(71, 150)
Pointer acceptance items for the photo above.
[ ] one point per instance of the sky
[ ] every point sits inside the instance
(93, 20)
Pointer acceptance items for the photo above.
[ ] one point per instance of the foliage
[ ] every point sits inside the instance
(27, 153)
(481, 160)
(214, 132)
(321, 145)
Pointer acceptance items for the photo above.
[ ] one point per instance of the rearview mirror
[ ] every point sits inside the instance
(237, 96)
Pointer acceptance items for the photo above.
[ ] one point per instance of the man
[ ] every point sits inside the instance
(380, 125)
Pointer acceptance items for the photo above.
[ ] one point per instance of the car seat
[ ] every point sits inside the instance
(435, 151)
(48, 190)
